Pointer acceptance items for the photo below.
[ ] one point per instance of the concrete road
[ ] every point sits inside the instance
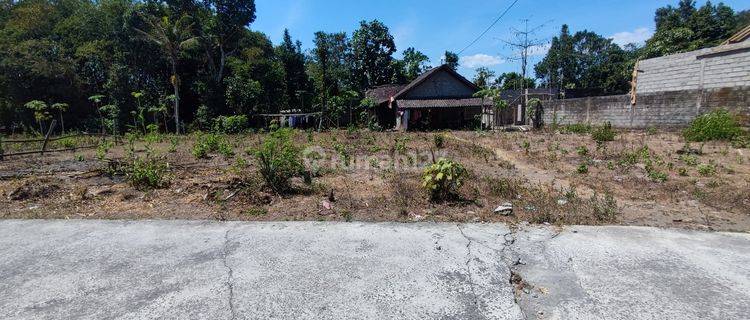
(197, 270)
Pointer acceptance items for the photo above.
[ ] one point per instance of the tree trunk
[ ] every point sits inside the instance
(62, 124)
(176, 85)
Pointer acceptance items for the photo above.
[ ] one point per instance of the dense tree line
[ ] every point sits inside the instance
(177, 61)
(586, 60)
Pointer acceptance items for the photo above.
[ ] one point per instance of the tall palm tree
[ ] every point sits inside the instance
(172, 36)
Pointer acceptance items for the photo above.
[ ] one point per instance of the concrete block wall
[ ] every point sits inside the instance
(719, 67)
(657, 109)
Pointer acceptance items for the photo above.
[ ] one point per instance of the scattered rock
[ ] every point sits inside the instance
(505, 209)
(562, 202)
(326, 205)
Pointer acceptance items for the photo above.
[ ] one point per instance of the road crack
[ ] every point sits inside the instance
(470, 275)
(230, 274)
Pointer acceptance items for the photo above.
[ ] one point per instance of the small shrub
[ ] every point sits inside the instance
(715, 125)
(209, 143)
(657, 176)
(682, 172)
(690, 160)
(443, 179)
(256, 212)
(279, 160)
(103, 149)
(604, 133)
(526, 145)
(741, 141)
(579, 128)
(582, 151)
(706, 169)
(439, 140)
(604, 209)
(68, 143)
(399, 145)
(583, 169)
(231, 124)
(148, 173)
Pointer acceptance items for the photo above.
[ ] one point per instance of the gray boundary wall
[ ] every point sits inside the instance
(672, 109)
(671, 91)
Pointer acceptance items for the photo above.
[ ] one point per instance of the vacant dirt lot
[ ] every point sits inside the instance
(641, 178)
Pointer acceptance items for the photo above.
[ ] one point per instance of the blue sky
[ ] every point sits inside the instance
(433, 26)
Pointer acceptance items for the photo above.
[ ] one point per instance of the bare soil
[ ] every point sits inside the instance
(538, 172)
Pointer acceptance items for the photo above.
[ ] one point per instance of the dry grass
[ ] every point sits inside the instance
(638, 179)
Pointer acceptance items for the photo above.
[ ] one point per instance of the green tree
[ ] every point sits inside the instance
(173, 36)
(41, 112)
(484, 77)
(329, 65)
(415, 63)
(293, 59)
(687, 27)
(584, 60)
(372, 49)
(61, 108)
(451, 59)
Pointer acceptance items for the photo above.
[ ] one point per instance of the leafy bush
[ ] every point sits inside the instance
(443, 179)
(604, 133)
(583, 169)
(582, 151)
(209, 143)
(706, 169)
(148, 173)
(715, 125)
(69, 143)
(439, 140)
(279, 160)
(579, 128)
(231, 124)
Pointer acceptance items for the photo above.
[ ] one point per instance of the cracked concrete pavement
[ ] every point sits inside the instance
(311, 270)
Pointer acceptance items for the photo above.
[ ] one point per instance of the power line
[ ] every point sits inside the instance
(490, 27)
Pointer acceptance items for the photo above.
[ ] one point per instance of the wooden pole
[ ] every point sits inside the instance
(49, 132)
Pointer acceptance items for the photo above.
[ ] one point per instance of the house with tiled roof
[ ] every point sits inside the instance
(440, 98)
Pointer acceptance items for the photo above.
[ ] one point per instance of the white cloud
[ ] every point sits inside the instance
(639, 36)
(539, 50)
(480, 60)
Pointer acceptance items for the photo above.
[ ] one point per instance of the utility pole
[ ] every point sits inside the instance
(524, 42)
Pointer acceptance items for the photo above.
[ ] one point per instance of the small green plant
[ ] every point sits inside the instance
(279, 159)
(657, 176)
(604, 209)
(399, 145)
(102, 149)
(741, 141)
(148, 173)
(439, 140)
(209, 143)
(689, 160)
(79, 158)
(443, 179)
(231, 124)
(256, 212)
(582, 151)
(583, 168)
(344, 153)
(526, 145)
(68, 143)
(683, 172)
(715, 125)
(604, 133)
(173, 142)
(706, 169)
(578, 128)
